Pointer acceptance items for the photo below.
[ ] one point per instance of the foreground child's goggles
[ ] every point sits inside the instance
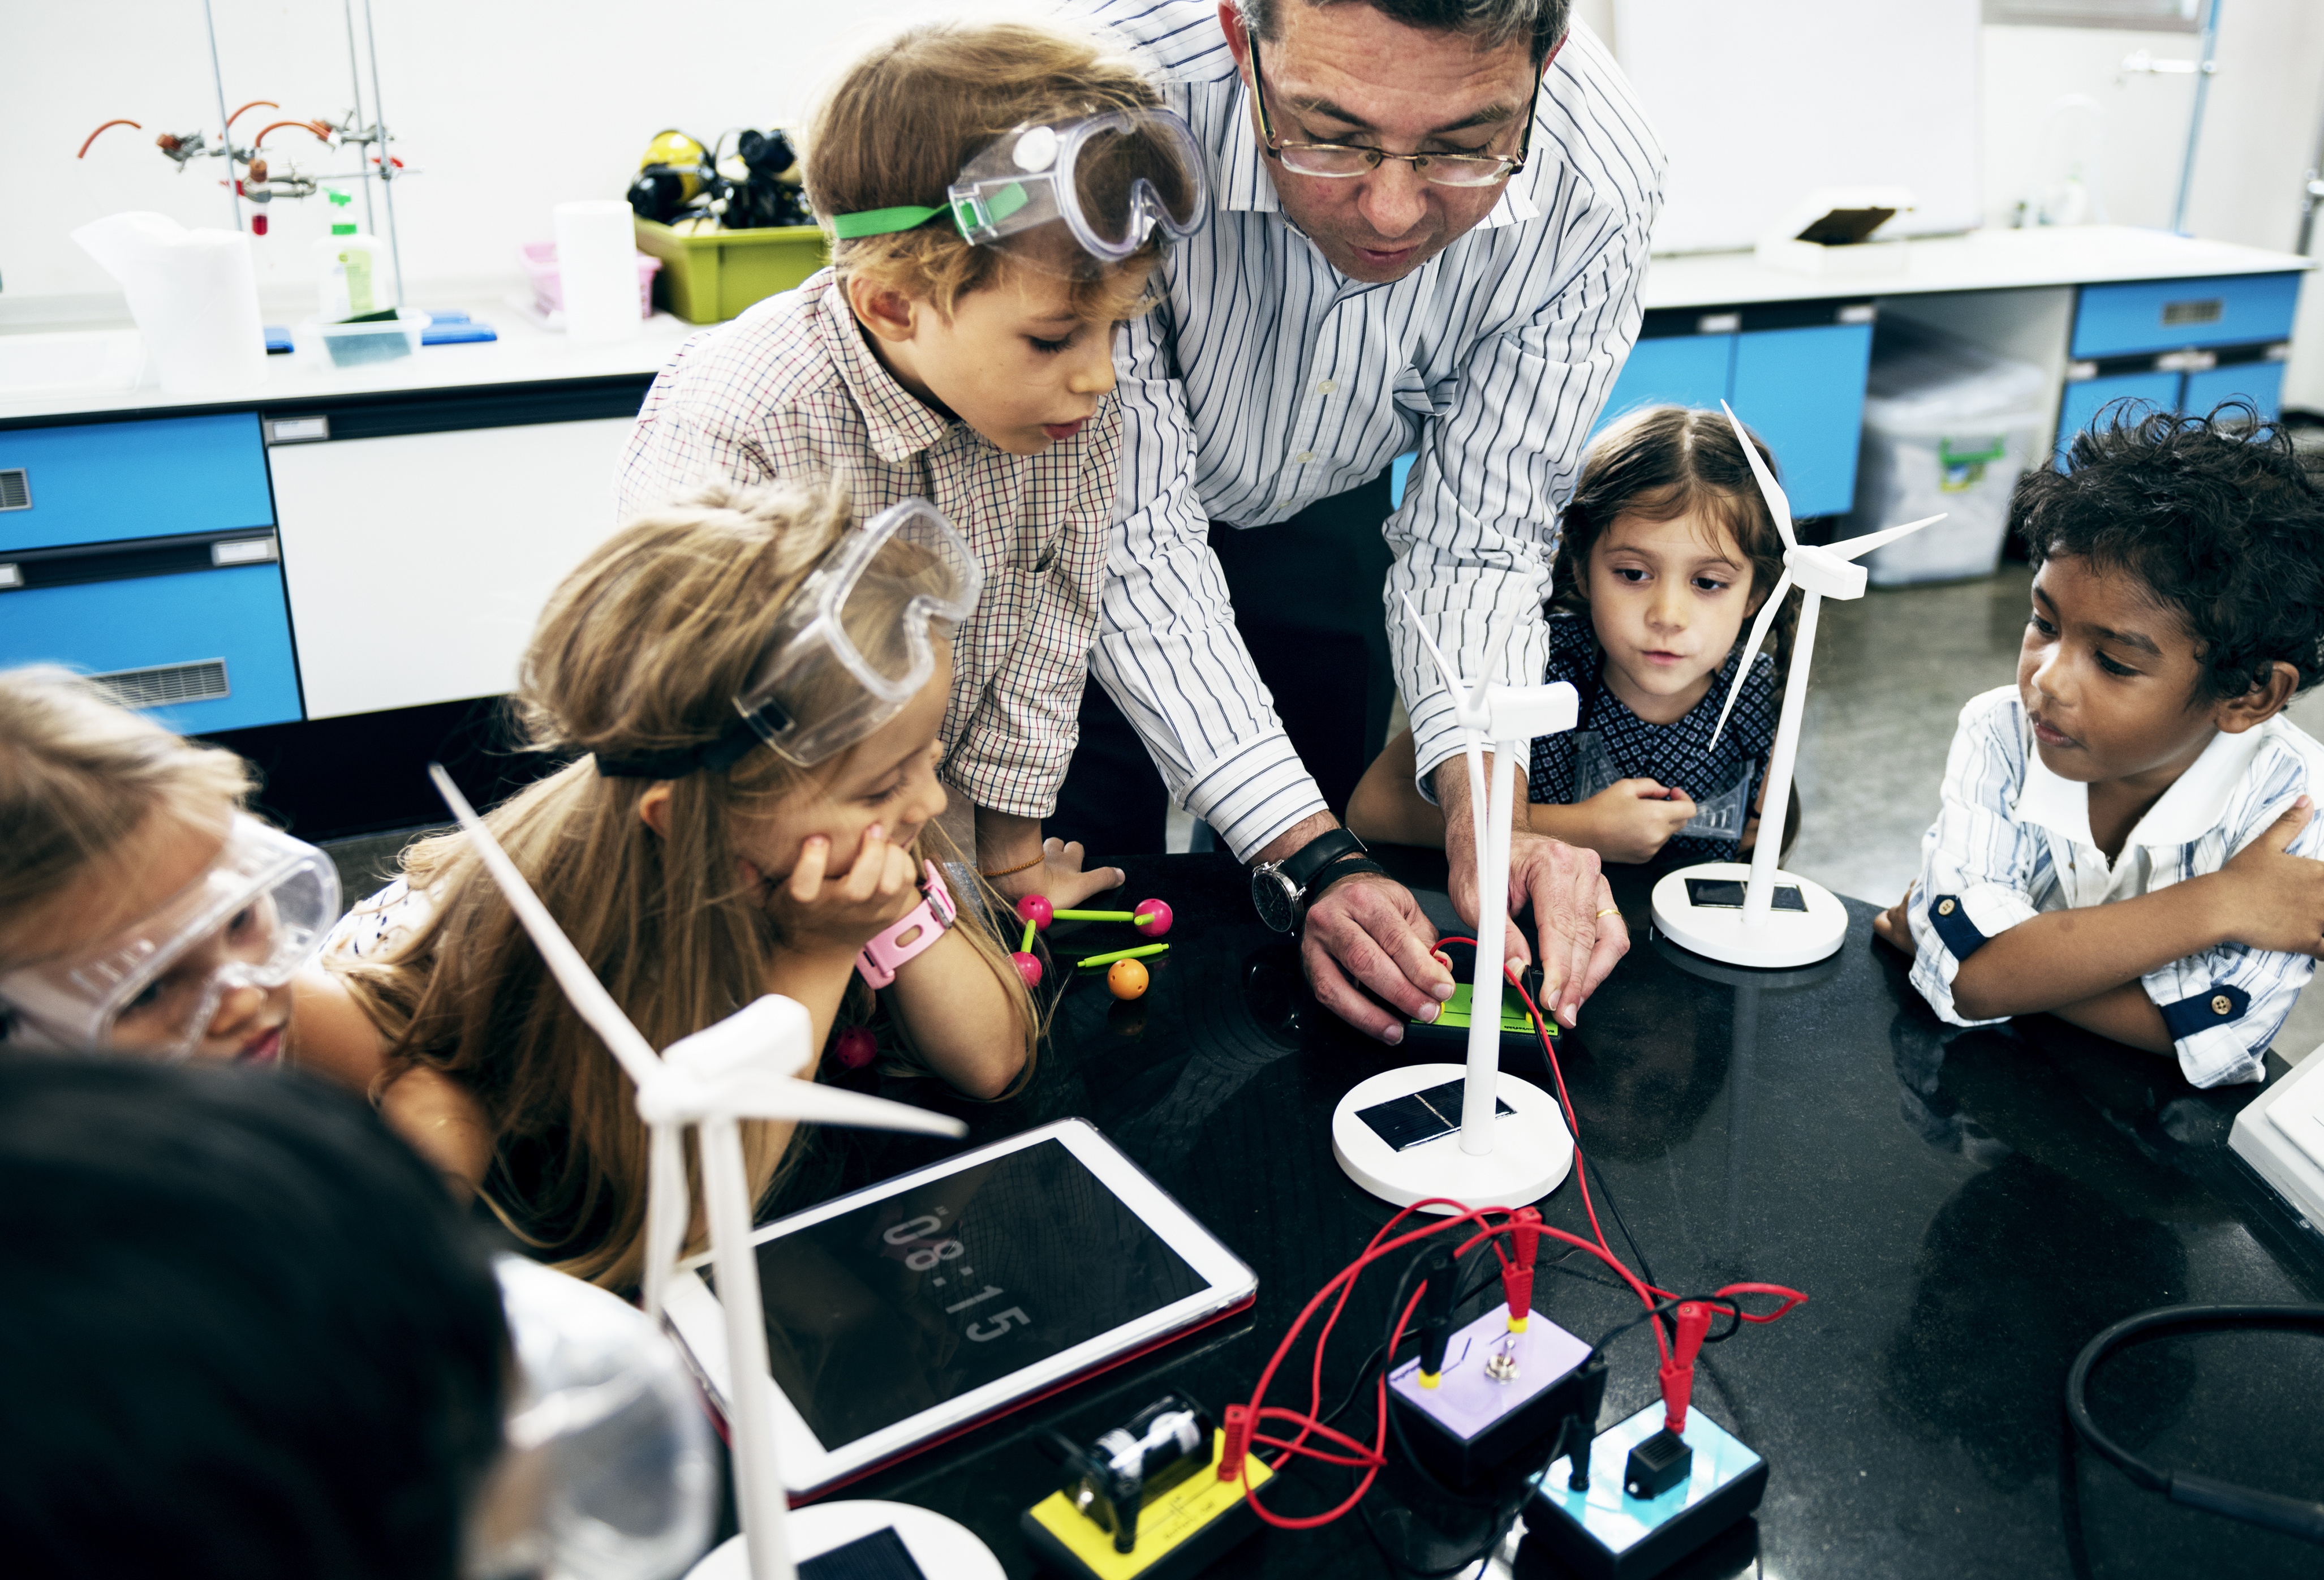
(1108, 180)
(255, 917)
(856, 644)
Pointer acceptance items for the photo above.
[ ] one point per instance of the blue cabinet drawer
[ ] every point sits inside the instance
(2259, 383)
(2083, 400)
(1672, 370)
(218, 638)
(1802, 392)
(2165, 314)
(99, 482)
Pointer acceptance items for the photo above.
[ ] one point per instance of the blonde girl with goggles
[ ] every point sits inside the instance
(750, 688)
(143, 912)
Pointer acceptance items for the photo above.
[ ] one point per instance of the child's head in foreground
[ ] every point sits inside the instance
(2178, 591)
(1669, 548)
(141, 909)
(1016, 341)
(664, 848)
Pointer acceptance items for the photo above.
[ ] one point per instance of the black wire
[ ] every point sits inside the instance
(2272, 1511)
(1498, 1534)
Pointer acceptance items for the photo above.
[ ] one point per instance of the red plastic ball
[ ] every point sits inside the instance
(1126, 979)
(1159, 910)
(857, 1047)
(1037, 910)
(1027, 967)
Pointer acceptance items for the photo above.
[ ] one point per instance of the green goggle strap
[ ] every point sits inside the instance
(970, 214)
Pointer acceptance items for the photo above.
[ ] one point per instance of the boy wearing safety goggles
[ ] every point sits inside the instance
(997, 196)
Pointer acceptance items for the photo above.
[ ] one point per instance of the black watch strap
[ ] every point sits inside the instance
(1311, 858)
(1331, 874)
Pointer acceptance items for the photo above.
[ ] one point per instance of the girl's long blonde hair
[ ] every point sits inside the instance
(640, 650)
(79, 774)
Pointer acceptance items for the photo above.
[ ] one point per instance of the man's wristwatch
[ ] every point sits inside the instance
(1284, 891)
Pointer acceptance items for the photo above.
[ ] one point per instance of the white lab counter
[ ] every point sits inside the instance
(1982, 260)
(525, 353)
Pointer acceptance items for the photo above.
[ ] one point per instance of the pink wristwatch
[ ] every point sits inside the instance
(930, 918)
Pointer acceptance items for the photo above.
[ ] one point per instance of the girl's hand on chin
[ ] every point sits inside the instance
(839, 913)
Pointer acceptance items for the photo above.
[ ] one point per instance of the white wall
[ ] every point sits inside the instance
(511, 107)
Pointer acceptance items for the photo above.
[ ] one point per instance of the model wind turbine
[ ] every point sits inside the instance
(1754, 915)
(1519, 1154)
(746, 1067)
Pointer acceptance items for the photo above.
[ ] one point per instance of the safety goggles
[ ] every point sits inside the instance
(257, 916)
(856, 642)
(1072, 200)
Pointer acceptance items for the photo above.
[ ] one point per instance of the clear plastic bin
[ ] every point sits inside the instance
(1948, 427)
(315, 343)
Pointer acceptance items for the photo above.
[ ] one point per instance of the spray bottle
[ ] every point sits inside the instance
(350, 276)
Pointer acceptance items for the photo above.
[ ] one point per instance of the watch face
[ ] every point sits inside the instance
(1276, 899)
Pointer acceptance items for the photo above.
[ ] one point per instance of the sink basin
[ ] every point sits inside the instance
(72, 362)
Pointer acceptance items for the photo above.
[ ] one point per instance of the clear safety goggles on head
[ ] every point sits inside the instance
(257, 916)
(856, 644)
(1074, 198)
(606, 1471)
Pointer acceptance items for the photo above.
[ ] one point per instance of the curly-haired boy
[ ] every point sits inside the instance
(2141, 762)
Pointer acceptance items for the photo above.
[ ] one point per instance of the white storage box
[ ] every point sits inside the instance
(1948, 426)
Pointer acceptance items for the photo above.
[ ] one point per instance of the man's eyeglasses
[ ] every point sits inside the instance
(1342, 161)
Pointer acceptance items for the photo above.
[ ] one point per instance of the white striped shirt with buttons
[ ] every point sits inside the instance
(2014, 840)
(1266, 380)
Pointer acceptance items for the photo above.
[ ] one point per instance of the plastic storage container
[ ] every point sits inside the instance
(715, 275)
(1948, 426)
(319, 344)
(548, 295)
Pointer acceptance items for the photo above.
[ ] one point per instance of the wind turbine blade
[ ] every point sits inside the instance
(594, 1004)
(1857, 547)
(1751, 650)
(1443, 665)
(756, 1095)
(1779, 503)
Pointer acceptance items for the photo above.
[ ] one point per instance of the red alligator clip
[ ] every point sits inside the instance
(1678, 1376)
(1239, 1424)
(1516, 1278)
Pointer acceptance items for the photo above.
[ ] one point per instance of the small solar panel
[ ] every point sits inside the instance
(1727, 894)
(881, 1556)
(1404, 1123)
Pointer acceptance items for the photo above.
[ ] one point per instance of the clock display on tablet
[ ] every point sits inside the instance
(903, 1304)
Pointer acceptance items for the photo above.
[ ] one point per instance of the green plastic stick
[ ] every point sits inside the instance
(1096, 915)
(1138, 953)
(1026, 946)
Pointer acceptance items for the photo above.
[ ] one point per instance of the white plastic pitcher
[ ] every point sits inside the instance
(194, 294)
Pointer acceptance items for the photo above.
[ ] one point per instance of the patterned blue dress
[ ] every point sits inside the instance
(1611, 743)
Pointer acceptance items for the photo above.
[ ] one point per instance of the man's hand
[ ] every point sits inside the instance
(1369, 927)
(1633, 818)
(2278, 897)
(1581, 930)
(1366, 929)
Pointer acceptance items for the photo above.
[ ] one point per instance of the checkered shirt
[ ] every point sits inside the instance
(2012, 840)
(789, 389)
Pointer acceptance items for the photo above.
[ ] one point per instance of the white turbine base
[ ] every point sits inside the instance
(1786, 937)
(945, 1549)
(1532, 1151)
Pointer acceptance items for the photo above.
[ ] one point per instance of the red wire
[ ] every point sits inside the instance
(1375, 1457)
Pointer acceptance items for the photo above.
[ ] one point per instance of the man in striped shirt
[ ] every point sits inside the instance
(1430, 219)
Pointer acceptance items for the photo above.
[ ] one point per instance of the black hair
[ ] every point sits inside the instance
(246, 1333)
(2216, 515)
(1542, 24)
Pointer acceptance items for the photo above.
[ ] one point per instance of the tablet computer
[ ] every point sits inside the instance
(901, 1314)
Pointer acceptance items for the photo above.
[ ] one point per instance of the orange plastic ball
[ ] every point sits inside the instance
(1126, 979)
